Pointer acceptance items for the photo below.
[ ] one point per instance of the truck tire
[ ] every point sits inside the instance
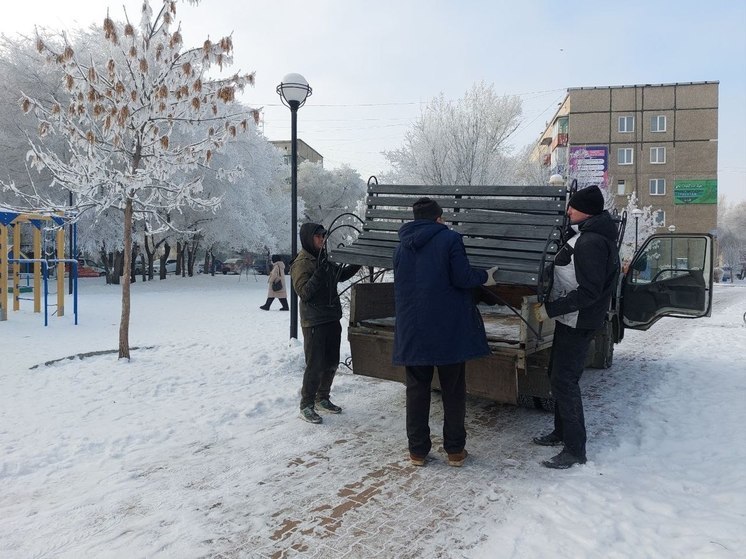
(535, 402)
(546, 404)
(602, 355)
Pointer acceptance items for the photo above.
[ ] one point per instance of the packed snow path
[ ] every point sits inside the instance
(194, 448)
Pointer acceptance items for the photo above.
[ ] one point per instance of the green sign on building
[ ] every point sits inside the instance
(695, 191)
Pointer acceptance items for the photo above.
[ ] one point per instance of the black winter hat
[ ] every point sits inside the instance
(426, 208)
(589, 200)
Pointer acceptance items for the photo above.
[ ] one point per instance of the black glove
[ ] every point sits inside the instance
(322, 261)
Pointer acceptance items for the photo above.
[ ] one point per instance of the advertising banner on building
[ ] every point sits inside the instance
(703, 191)
(589, 165)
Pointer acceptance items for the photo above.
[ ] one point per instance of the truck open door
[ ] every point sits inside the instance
(670, 275)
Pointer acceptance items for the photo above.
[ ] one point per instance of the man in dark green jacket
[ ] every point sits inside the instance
(315, 281)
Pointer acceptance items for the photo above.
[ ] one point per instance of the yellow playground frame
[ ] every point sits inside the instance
(11, 222)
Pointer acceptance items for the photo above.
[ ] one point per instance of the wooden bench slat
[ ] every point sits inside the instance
(470, 216)
(512, 244)
(510, 231)
(517, 204)
(419, 190)
(503, 276)
(507, 264)
(536, 232)
(382, 238)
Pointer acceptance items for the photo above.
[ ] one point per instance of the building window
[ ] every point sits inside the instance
(658, 155)
(658, 123)
(626, 124)
(659, 218)
(624, 156)
(621, 187)
(657, 187)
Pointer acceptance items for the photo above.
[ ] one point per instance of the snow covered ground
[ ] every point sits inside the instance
(194, 448)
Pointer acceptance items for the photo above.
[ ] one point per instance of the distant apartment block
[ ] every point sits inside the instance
(305, 152)
(658, 141)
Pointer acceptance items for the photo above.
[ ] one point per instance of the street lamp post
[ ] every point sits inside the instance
(636, 213)
(294, 90)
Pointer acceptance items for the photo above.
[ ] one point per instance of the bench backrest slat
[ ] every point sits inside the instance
(419, 190)
(512, 204)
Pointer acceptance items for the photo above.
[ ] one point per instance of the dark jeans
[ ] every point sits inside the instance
(453, 391)
(321, 346)
(566, 364)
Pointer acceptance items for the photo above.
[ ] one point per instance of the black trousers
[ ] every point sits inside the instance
(453, 391)
(569, 350)
(321, 346)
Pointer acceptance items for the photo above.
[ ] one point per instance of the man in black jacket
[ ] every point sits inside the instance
(585, 270)
(315, 281)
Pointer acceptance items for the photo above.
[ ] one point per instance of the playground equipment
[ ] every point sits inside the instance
(51, 226)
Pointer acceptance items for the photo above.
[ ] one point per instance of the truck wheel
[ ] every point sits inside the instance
(546, 404)
(603, 347)
(535, 402)
(525, 401)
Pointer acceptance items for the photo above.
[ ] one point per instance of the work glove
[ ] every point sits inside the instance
(322, 260)
(540, 312)
(491, 273)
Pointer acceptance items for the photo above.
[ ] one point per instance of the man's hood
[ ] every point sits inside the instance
(306, 237)
(413, 235)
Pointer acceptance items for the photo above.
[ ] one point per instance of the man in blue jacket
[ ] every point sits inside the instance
(437, 324)
(585, 270)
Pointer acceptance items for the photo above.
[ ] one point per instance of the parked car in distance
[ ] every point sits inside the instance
(170, 266)
(232, 266)
(87, 269)
(261, 265)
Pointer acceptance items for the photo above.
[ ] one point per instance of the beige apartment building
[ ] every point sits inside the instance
(658, 141)
(305, 152)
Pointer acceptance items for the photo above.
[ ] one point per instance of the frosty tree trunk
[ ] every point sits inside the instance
(124, 325)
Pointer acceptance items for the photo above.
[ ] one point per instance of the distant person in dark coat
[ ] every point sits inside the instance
(437, 325)
(585, 270)
(315, 281)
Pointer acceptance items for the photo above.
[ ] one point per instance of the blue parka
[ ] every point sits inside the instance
(437, 321)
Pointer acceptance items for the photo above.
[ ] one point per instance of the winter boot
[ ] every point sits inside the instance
(550, 439)
(457, 459)
(309, 414)
(326, 405)
(563, 460)
(284, 304)
(265, 306)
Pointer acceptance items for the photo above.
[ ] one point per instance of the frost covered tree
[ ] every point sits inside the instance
(23, 69)
(731, 236)
(255, 211)
(528, 169)
(329, 197)
(459, 143)
(118, 120)
(645, 227)
(329, 193)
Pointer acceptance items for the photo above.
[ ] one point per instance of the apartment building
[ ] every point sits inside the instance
(658, 141)
(305, 152)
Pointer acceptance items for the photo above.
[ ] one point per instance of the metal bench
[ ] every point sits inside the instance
(517, 228)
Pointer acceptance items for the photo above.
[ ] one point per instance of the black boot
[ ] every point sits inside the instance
(265, 306)
(284, 304)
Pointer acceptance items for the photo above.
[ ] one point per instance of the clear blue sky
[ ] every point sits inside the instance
(373, 65)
